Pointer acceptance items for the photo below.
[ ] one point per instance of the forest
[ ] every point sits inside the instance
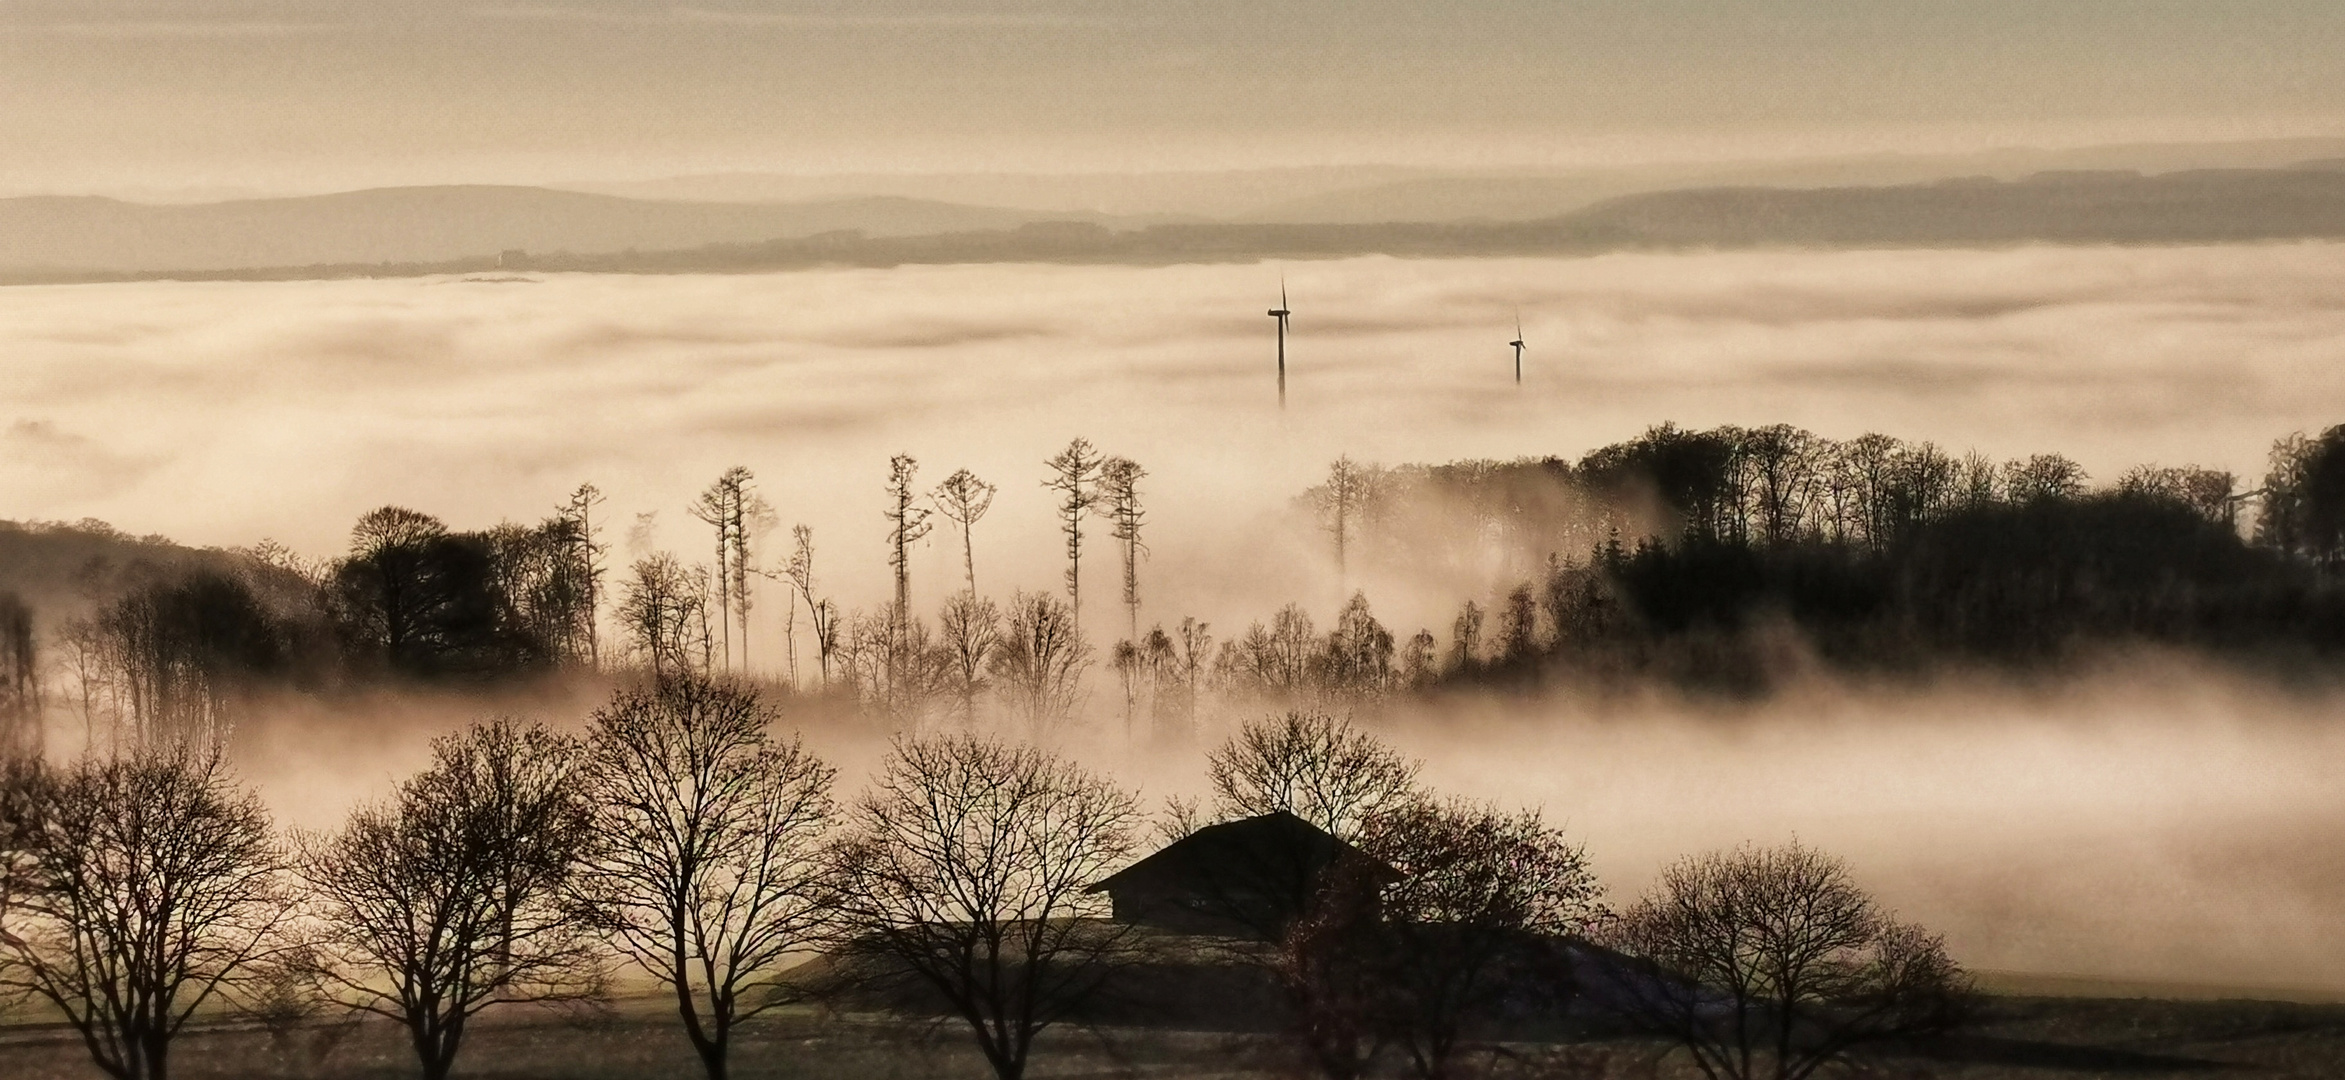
(1720, 561)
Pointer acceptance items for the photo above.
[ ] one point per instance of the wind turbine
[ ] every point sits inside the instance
(1280, 313)
(1518, 347)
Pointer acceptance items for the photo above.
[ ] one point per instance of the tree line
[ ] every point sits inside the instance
(682, 839)
(1717, 558)
(1724, 557)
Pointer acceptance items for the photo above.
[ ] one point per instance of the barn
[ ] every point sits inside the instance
(1243, 878)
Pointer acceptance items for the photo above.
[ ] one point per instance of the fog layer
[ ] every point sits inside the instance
(222, 413)
(2170, 828)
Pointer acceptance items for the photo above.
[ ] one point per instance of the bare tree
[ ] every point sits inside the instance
(140, 889)
(1518, 627)
(894, 666)
(964, 876)
(1195, 641)
(1359, 651)
(661, 609)
(1342, 503)
(1040, 661)
(1119, 496)
(1126, 659)
(1781, 467)
(1472, 924)
(907, 522)
(1772, 963)
(2210, 493)
(710, 876)
(86, 660)
(825, 615)
(1466, 638)
(454, 896)
(735, 511)
(963, 499)
(1326, 960)
(2044, 476)
(587, 551)
(969, 631)
(20, 681)
(1160, 659)
(1312, 765)
(182, 650)
(1074, 472)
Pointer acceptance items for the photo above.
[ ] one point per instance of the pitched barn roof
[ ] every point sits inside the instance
(1245, 845)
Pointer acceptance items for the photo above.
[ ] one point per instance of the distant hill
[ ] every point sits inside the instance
(462, 230)
(2204, 206)
(1231, 193)
(432, 224)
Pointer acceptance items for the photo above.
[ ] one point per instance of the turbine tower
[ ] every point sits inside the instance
(1280, 313)
(1518, 348)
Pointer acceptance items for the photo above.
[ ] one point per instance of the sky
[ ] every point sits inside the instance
(316, 94)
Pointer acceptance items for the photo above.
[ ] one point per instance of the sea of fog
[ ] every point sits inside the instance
(2146, 821)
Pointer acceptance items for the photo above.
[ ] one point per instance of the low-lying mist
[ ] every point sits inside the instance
(2149, 820)
(2146, 819)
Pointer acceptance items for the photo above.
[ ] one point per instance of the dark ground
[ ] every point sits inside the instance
(2035, 1038)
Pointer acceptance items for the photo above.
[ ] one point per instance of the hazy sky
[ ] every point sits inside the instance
(290, 94)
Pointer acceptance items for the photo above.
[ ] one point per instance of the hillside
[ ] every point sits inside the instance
(2203, 206)
(430, 224)
(412, 231)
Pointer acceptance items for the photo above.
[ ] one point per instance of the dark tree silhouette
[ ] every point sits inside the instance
(20, 681)
(907, 523)
(1359, 652)
(963, 878)
(1119, 499)
(1194, 648)
(455, 895)
(2304, 498)
(2212, 493)
(963, 499)
(182, 651)
(1313, 766)
(1471, 927)
(586, 557)
(424, 601)
(139, 890)
(1465, 649)
(1772, 963)
(1074, 476)
(661, 607)
(969, 632)
(1343, 503)
(1129, 663)
(1040, 660)
(2043, 477)
(544, 588)
(1419, 661)
(710, 875)
(821, 611)
(736, 513)
(1160, 660)
(1518, 628)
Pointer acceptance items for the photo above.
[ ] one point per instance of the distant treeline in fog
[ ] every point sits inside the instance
(1734, 556)
(400, 233)
(1725, 559)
